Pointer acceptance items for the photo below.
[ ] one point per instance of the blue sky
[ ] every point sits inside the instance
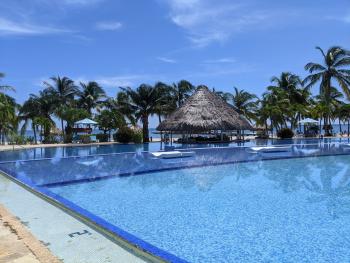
(219, 43)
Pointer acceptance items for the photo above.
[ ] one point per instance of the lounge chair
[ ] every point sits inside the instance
(269, 149)
(172, 154)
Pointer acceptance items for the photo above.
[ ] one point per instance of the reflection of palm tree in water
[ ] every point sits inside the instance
(285, 173)
(328, 180)
(330, 183)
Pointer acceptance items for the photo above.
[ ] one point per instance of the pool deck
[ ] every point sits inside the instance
(58, 235)
(17, 244)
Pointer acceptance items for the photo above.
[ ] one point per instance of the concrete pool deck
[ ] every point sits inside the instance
(64, 236)
(17, 244)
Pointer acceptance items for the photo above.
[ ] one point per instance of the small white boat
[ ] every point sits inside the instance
(172, 154)
(270, 149)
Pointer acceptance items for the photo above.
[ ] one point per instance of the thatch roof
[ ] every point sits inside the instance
(204, 111)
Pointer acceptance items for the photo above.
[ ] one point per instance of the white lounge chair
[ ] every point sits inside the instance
(269, 149)
(308, 151)
(172, 154)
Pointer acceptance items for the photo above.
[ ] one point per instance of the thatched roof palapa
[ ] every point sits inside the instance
(204, 111)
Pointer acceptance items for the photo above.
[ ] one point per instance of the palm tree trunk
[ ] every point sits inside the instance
(340, 129)
(145, 128)
(62, 127)
(348, 127)
(34, 131)
(320, 125)
(161, 133)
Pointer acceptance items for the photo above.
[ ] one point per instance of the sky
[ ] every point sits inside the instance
(218, 43)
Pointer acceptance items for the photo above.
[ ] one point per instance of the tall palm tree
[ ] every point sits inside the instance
(91, 95)
(334, 68)
(64, 90)
(245, 103)
(181, 91)
(143, 103)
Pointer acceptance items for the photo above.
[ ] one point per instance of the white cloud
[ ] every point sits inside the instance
(8, 27)
(167, 60)
(116, 81)
(78, 2)
(207, 21)
(344, 18)
(225, 60)
(111, 26)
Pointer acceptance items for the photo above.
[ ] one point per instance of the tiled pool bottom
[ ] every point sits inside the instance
(291, 210)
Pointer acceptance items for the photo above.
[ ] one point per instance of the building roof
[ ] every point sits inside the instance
(204, 111)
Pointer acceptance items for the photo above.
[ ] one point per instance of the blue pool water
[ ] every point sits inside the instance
(222, 205)
(294, 210)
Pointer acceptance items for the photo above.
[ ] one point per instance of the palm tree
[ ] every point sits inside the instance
(291, 96)
(8, 108)
(29, 112)
(245, 103)
(329, 105)
(91, 95)
(167, 104)
(333, 68)
(64, 90)
(181, 91)
(5, 87)
(8, 117)
(344, 114)
(226, 96)
(142, 102)
(46, 105)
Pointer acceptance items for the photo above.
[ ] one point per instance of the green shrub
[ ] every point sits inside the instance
(85, 138)
(17, 139)
(51, 139)
(137, 136)
(30, 140)
(285, 133)
(101, 137)
(124, 135)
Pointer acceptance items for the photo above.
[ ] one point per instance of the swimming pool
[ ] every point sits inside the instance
(222, 205)
(85, 150)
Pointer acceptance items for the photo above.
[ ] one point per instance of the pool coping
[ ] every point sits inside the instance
(126, 240)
